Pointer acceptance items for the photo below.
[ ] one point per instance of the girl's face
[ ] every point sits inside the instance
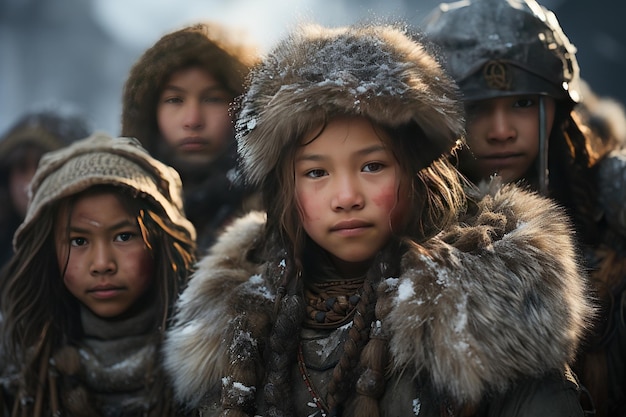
(503, 134)
(193, 118)
(107, 264)
(349, 191)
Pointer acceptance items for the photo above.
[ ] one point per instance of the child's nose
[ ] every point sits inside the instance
(103, 261)
(348, 195)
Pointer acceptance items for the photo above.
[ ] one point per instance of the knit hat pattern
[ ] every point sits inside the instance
(103, 160)
(378, 72)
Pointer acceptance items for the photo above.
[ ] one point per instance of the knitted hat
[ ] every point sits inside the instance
(374, 71)
(99, 160)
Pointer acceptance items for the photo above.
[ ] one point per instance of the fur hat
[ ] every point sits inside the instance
(209, 46)
(374, 71)
(99, 160)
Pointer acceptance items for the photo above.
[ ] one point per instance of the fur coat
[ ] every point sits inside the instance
(496, 300)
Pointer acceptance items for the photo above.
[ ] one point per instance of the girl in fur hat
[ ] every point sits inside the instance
(98, 263)
(373, 285)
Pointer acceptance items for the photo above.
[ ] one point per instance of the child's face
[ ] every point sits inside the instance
(503, 134)
(109, 266)
(348, 190)
(192, 115)
(21, 172)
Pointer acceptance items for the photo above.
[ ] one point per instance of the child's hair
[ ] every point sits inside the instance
(310, 78)
(40, 315)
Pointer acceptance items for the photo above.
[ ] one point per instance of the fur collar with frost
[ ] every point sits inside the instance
(496, 297)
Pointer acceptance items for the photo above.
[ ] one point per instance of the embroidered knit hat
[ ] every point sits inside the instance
(315, 73)
(99, 160)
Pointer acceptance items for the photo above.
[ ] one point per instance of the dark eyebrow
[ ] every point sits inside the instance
(120, 225)
(361, 152)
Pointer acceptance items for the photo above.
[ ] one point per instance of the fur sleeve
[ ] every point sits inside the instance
(498, 297)
(196, 346)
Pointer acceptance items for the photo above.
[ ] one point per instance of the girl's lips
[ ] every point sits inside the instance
(193, 144)
(350, 227)
(105, 292)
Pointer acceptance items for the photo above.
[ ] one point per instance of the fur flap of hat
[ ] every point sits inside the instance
(496, 298)
(378, 72)
(99, 160)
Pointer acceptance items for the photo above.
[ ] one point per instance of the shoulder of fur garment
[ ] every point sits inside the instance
(497, 297)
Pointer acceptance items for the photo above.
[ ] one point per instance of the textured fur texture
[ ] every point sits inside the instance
(372, 71)
(497, 297)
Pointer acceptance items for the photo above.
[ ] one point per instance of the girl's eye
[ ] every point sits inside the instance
(124, 237)
(316, 173)
(78, 241)
(373, 167)
(173, 100)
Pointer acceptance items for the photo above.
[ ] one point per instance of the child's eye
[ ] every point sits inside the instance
(78, 241)
(373, 167)
(124, 237)
(173, 100)
(315, 173)
(524, 102)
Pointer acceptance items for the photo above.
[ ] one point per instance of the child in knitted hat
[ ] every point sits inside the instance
(176, 102)
(373, 285)
(99, 260)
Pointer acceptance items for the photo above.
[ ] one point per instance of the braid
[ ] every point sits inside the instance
(358, 335)
(375, 357)
(283, 347)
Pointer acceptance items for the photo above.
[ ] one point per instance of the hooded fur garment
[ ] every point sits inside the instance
(497, 297)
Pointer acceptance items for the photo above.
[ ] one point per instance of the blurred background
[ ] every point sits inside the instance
(76, 54)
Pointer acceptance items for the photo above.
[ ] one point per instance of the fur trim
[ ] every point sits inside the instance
(498, 297)
(376, 72)
(196, 347)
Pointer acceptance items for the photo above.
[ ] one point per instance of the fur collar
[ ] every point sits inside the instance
(497, 297)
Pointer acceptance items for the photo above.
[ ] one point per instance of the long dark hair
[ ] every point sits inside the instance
(436, 199)
(41, 316)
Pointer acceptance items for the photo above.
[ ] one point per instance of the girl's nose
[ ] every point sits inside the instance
(193, 116)
(347, 195)
(103, 261)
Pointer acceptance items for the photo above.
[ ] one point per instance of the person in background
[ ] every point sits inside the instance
(521, 86)
(372, 284)
(99, 261)
(176, 102)
(21, 147)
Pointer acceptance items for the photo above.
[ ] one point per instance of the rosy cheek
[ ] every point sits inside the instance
(386, 198)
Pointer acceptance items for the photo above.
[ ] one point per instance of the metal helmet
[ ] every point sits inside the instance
(504, 47)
